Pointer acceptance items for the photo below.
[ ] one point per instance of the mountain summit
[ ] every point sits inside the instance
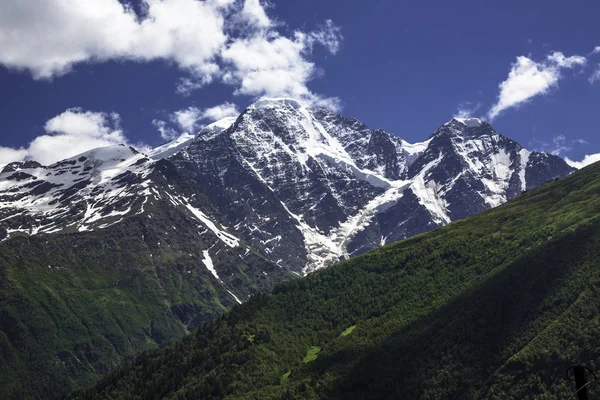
(310, 187)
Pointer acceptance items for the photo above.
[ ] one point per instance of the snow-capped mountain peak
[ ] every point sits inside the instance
(107, 154)
(304, 186)
(276, 103)
(344, 188)
(91, 190)
(464, 128)
(170, 148)
(215, 129)
(469, 122)
(221, 124)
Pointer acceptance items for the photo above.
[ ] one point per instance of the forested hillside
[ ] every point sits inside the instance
(496, 306)
(75, 306)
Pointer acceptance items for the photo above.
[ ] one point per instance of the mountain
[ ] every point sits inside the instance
(338, 188)
(305, 187)
(117, 251)
(109, 254)
(496, 306)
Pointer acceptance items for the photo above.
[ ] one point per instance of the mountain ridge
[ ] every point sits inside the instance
(337, 182)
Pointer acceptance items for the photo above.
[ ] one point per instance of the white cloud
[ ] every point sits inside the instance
(595, 77)
(560, 145)
(8, 155)
(221, 111)
(596, 50)
(271, 65)
(48, 38)
(528, 79)
(467, 109)
(191, 119)
(79, 123)
(187, 118)
(68, 134)
(254, 14)
(166, 132)
(587, 160)
(560, 60)
(329, 35)
(231, 41)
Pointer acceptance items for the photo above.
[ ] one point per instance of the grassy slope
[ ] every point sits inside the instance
(73, 307)
(496, 306)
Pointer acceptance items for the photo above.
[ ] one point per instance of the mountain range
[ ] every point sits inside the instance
(304, 187)
(120, 250)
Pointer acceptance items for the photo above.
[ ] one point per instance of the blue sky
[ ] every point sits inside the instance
(87, 73)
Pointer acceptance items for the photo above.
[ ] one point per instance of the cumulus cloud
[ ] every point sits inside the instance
(220, 111)
(596, 50)
(8, 155)
(229, 41)
(587, 160)
(49, 38)
(68, 134)
(528, 79)
(254, 14)
(191, 119)
(271, 65)
(187, 118)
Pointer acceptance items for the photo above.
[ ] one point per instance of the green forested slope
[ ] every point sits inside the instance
(75, 306)
(495, 306)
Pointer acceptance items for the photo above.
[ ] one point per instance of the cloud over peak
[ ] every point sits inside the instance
(219, 112)
(191, 119)
(68, 134)
(269, 64)
(467, 109)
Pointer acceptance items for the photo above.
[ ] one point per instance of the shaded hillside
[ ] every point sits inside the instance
(495, 306)
(75, 306)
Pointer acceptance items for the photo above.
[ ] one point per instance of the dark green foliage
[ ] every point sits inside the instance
(496, 306)
(73, 307)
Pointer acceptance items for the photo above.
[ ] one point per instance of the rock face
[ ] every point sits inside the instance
(303, 188)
